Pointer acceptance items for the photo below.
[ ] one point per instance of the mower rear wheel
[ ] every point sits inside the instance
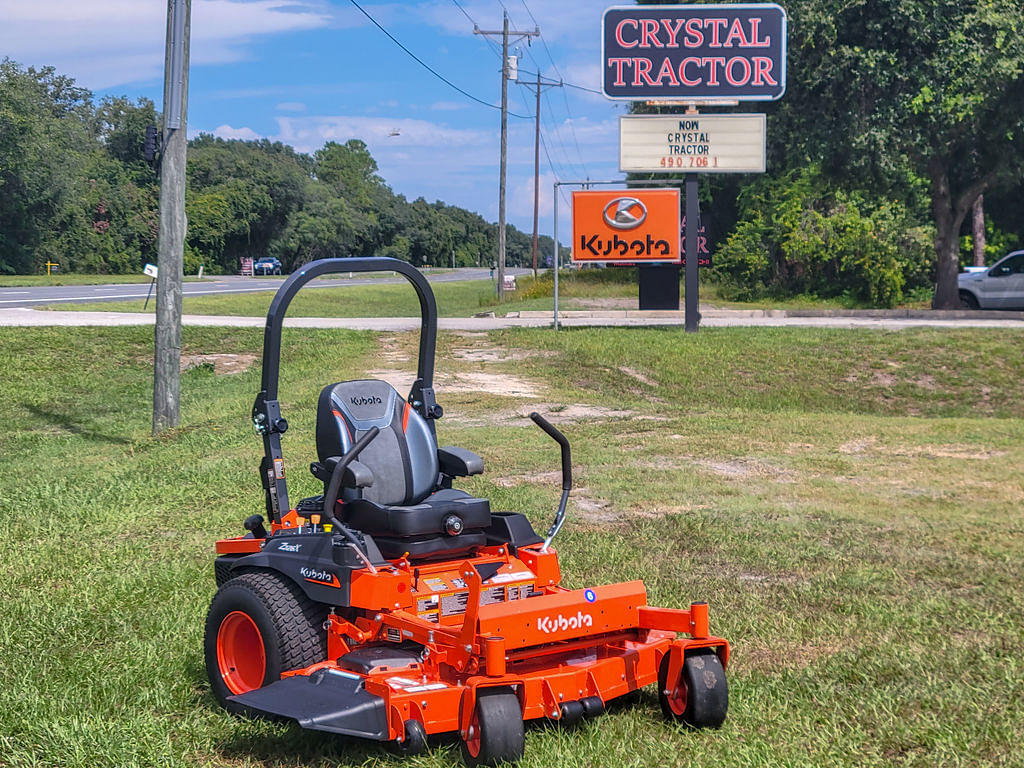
(700, 697)
(258, 626)
(496, 733)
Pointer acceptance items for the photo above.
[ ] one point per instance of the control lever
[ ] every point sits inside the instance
(334, 488)
(563, 442)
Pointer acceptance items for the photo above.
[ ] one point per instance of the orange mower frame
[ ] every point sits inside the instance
(468, 630)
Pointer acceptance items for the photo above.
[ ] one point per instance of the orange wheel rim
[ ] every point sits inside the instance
(677, 698)
(473, 740)
(240, 654)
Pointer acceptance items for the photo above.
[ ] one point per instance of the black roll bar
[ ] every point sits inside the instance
(266, 411)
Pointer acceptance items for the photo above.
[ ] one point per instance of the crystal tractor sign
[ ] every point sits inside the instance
(689, 56)
(695, 52)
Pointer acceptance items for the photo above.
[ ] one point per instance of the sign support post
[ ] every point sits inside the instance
(555, 260)
(692, 217)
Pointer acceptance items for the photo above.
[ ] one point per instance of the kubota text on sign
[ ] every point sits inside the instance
(629, 225)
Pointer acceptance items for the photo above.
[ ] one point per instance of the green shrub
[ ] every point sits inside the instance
(797, 235)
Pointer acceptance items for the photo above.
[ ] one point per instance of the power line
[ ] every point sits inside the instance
(490, 43)
(565, 97)
(426, 66)
(561, 143)
(464, 13)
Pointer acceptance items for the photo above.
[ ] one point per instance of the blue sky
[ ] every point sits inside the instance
(308, 71)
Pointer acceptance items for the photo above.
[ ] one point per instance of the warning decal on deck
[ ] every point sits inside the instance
(454, 604)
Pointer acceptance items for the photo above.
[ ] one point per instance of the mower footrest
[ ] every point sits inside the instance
(327, 700)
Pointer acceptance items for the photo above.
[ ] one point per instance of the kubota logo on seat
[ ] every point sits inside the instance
(560, 623)
(361, 400)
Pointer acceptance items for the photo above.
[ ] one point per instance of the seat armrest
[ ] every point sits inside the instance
(458, 462)
(356, 474)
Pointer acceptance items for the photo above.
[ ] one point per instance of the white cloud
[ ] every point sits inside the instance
(447, 106)
(112, 42)
(520, 199)
(291, 106)
(227, 132)
(309, 133)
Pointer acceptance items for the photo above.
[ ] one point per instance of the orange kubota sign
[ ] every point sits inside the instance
(625, 225)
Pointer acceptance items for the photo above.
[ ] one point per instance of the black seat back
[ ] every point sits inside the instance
(403, 457)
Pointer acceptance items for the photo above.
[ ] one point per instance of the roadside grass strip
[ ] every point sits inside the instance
(454, 299)
(848, 502)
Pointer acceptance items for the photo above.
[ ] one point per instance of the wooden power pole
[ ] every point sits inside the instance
(171, 241)
(505, 32)
(539, 86)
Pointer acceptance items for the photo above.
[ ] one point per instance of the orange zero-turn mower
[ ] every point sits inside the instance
(394, 606)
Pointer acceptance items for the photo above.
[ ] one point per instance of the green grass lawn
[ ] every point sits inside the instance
(578, 290)
(849, 502)
(16, 281)
(454, 299)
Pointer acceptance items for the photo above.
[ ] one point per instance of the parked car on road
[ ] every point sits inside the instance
(267, 266)
(1000, 286)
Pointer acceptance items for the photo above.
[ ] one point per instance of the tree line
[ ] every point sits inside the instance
(899, 115)
(75, 190)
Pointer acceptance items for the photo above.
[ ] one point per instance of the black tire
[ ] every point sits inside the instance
(968, 300)
(288, 624)
(700, 698)
(414, 742)
(572, 713)
(497, 733)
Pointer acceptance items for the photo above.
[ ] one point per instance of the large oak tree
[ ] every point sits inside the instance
(883, 89)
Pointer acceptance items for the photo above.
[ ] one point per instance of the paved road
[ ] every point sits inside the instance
(52, 294)
(713, 318)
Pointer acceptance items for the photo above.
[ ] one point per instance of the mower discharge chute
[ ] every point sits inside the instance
(394, 606)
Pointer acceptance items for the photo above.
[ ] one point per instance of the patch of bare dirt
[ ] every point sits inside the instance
(592, 510)
(484, 354)
(924, 381)
(556, 413)
(947, 451)
(502, 384)
(633, 373)
(533, 478)
(950, 451)
(882, 379)
(223, 364)
(391, 350)
(605, 302)
(857, 446)
(741, 469)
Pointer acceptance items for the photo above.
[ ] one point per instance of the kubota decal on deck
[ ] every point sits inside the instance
(560, 623)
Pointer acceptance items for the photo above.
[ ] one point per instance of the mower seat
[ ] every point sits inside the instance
(409, 507)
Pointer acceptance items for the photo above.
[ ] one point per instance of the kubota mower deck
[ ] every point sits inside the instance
(394, 607)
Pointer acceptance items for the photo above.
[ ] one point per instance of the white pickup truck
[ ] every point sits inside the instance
(1000, 286)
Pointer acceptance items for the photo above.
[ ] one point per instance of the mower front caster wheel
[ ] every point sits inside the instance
(700, 697)
(414, 741)
(496, 733)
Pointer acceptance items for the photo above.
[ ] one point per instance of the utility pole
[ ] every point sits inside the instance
(536, 177)
(171, 240)
(539, 86)
(505, 32)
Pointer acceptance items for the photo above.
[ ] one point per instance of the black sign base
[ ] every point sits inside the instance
(659, 286)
